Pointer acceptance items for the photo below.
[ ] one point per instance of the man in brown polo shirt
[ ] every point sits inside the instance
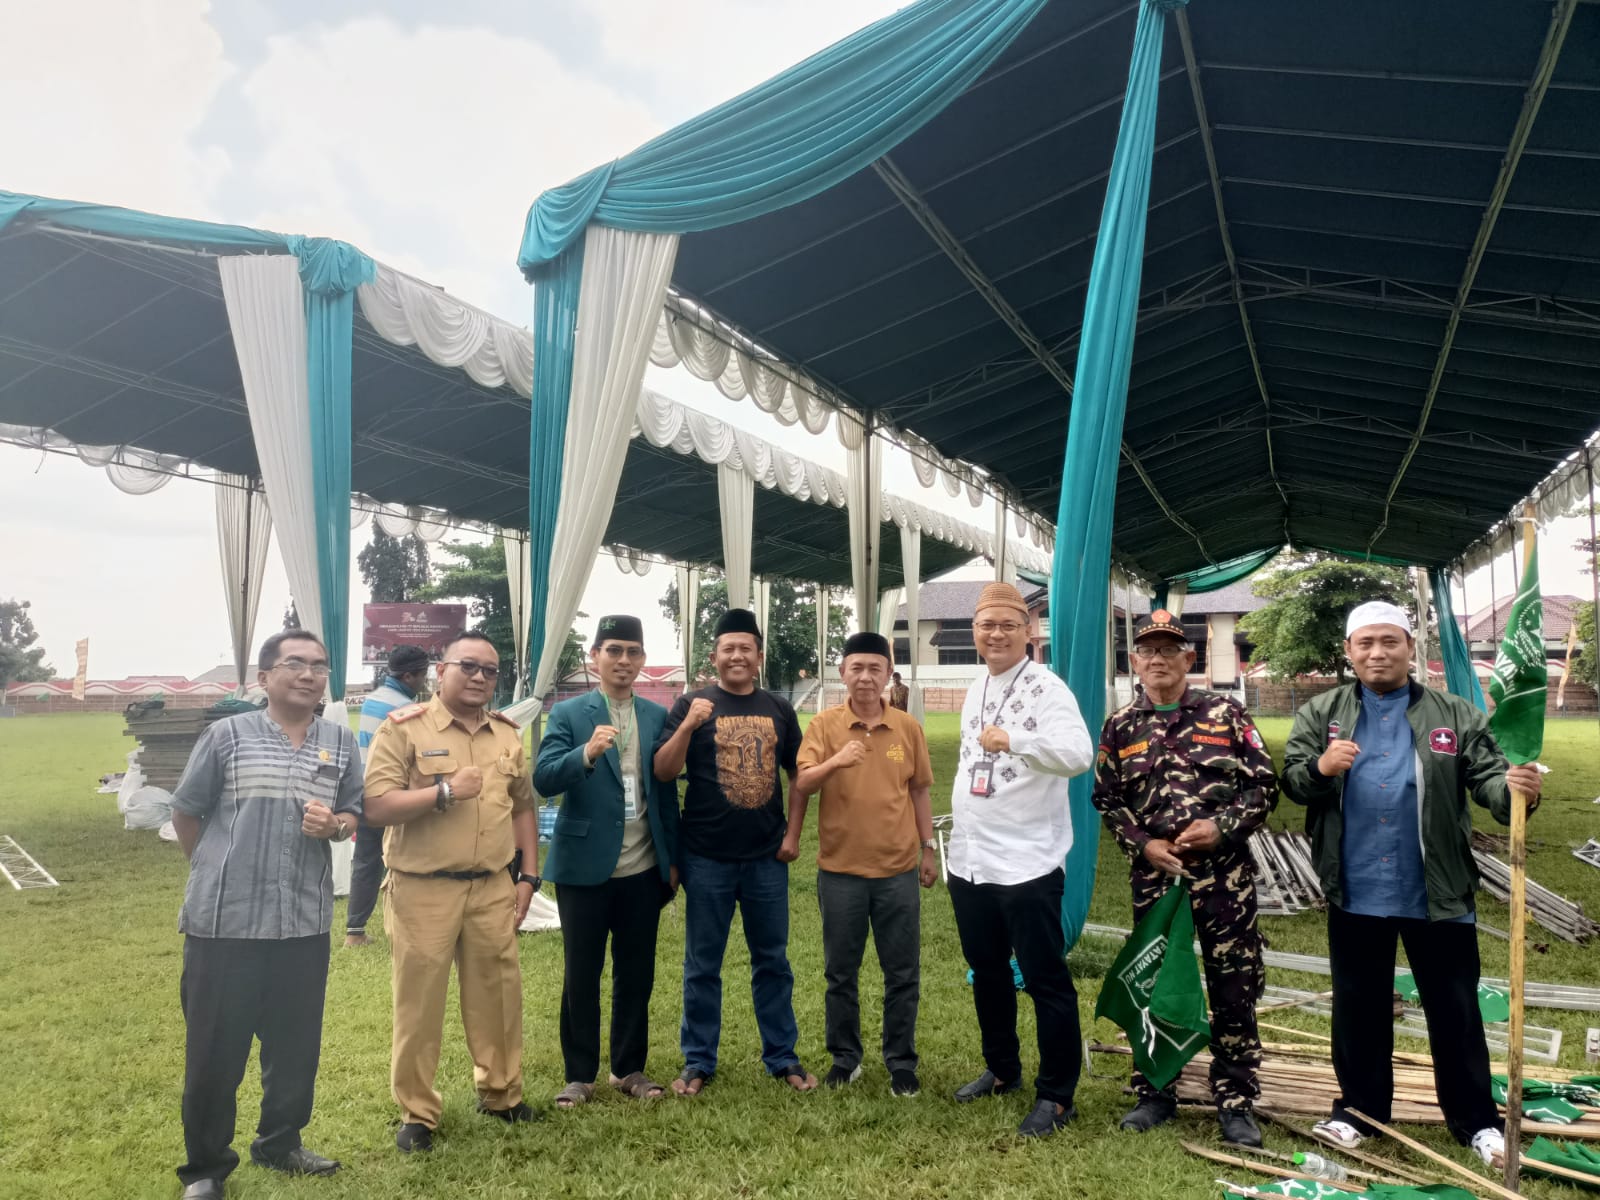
(870, 762)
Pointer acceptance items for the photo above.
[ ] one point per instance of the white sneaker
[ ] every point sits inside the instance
(1490, 1145)
(1340, 1133)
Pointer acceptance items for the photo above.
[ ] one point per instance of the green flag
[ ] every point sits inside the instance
(1520, 676)
(1153, 990)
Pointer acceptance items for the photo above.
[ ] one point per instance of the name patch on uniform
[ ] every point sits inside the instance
(1442, 741)
(435, 754)
(1212, 741)
(1130, 751)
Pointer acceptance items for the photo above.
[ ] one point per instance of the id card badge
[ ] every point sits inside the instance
(630, 798)
(983, 777)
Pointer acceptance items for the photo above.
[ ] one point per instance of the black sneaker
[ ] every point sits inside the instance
(517, 1114)
(414, 1138)
(985, 1085)
(1045, 1119)
(1150, 1112)
(904, 1082)
(840, 1077)
(1239, 1128)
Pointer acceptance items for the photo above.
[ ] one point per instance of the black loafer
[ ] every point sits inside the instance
(985, 1085)
(517, 1114)
(1045, 1119)
(203, 1189)
(414, 1138)
(1239, 1128)
(298, 1161)
(1150, 1112)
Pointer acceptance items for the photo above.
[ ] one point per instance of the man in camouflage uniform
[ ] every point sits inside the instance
(1182, 780)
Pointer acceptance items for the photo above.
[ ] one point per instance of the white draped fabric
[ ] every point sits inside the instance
(408, 520)
(1002, 559)
(266, 314)
(889, 602)
(822, 647)
(911, 562)
(131, 470)
(763, 607)
(408, 312)
(625, 277)
(521, 585)
(244, 528)
(688, 615)
(865, 507)
(1176, 595)
(736, 500)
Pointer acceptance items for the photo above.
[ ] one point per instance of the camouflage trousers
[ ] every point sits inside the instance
(1223, 899)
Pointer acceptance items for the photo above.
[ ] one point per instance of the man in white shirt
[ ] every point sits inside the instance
(1022, 738)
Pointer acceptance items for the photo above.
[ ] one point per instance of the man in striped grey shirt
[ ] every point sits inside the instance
(407, 673)
(263, 795)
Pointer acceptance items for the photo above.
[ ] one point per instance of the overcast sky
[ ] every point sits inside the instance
(419, 131)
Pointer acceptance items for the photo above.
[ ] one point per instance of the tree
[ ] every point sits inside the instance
(790, 635)
(475, 575)
(291, 616)
(1584, 659)
(394, 568)
(1301, 630)
(20, 660)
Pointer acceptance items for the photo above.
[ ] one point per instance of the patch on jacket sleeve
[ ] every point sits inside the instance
(1442, 741)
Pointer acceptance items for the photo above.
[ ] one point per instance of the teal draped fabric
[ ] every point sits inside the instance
(1094, 437)
(1220, 575)
(330, 271)
(1459, 676)
(790, 138)
(555, 323)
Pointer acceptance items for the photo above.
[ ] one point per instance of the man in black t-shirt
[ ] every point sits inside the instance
(732, 738)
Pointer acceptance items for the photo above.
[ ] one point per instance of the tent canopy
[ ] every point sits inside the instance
(116, 342)
(1326, 356)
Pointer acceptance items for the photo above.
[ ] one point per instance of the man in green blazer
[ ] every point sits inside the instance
(613, 858)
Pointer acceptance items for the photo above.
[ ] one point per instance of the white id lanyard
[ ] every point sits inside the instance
(630, 798)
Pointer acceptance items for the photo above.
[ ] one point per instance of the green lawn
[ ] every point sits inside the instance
(91, 1040)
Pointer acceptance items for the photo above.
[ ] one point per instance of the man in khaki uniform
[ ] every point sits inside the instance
(450, 781)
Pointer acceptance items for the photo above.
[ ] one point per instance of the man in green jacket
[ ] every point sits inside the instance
(1384, 766)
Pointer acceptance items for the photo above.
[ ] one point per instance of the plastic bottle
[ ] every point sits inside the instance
(1319, 1167)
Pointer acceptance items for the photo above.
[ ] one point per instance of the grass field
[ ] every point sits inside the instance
(91, 1040)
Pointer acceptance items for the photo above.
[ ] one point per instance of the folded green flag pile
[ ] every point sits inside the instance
(1575, 1156)
(1543, 1101)
(1494, 1003)
(1153, 990)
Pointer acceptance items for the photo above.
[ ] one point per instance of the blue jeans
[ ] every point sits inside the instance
(711, 888)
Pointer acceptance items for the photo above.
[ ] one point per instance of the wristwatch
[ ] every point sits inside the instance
(536, 881)
(444, 795)
(341, 831)
(929, 843)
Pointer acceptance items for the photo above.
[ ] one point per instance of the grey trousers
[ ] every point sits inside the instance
(892, 908)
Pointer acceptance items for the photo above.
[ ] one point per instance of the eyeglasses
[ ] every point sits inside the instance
(472, 669)
(299, 666)
(613, 650)
(1006, 627)
(1167, 650)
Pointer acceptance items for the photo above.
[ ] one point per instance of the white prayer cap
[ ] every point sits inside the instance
(1377, 612)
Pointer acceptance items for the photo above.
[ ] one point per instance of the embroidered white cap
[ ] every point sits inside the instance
(1377, 612)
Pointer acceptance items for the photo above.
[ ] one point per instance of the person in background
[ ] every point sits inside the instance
(899, 694)
(262, 796)
(406, 673)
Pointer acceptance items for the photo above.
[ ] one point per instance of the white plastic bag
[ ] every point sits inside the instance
(148, 808)
(132, 781)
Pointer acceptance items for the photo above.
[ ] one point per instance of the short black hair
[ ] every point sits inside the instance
(471, 635)
(407, 660)
(268, 658)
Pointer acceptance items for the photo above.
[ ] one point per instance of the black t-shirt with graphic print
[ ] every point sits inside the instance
(733, 807)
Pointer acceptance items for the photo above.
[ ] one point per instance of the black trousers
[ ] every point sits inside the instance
(628, 911)
(1444, 962)
(233, 990)
(994, 921)
(892, 908)
(366, 874)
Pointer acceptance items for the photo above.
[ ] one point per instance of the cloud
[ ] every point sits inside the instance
(103, 105)
(439, 138)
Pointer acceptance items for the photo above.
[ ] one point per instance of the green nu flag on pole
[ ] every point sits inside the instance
(1153, 990)
(1520, 677)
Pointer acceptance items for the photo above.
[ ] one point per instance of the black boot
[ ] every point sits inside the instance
(1150, 1112)
(1239, 1128)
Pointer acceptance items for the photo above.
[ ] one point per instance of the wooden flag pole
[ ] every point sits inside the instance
(1519, 942)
